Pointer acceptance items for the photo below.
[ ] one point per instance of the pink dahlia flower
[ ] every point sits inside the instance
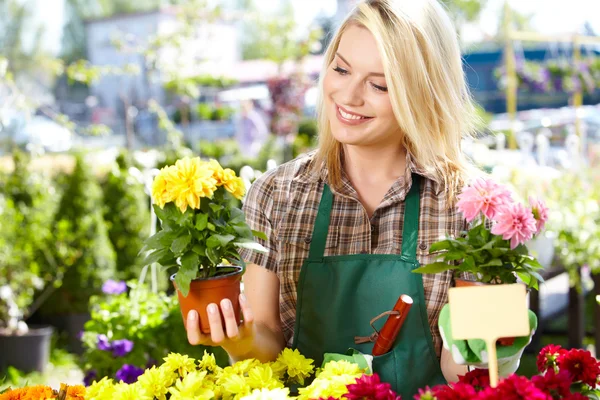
(485, 196)
(540, 213)
(515, 223)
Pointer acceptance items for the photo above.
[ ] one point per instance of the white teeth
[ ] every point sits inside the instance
(349, 116)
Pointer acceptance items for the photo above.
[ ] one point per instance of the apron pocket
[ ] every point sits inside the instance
(385, 366)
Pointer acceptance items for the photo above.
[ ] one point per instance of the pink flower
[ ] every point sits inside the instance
(457, 391)
(515, 223)
(581, 365)
(540, 213)
(484, 196)
(370, 387)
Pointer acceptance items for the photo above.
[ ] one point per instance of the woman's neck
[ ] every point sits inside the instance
(373, 165)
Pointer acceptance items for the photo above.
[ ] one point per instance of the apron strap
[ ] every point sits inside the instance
(410, 230)
(321, 227)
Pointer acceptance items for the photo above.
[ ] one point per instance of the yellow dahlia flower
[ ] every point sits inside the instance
(266, 394)
(191, 387)
(233, 184)
(182, 364)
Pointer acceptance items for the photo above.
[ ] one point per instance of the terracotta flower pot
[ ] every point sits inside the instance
(465, 283)
(211, 290)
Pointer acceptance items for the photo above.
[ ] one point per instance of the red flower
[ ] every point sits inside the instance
(370, 387)
(556, 385)
(548, 356)
(478, 378)
(575, 396)
(514, 388)
(581, 365)
(425, 394)
(458, 391)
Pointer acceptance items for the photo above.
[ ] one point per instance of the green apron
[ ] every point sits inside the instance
(338, 296)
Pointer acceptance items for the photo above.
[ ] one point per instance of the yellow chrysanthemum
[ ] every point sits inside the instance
(233, 184)
(208, 363)
(218, 172)
(124, 391)
(235, 386)
(160, 191)
(191, 387)
(327, 387)
(262, 377)
(338, 368)
(242, 367)
(100, 390)
(190, 180)
(266, 394)
(297, 366)
(155, 382)
(182, 364)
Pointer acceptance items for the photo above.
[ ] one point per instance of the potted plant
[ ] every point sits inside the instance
(202, 229)
(493, 250)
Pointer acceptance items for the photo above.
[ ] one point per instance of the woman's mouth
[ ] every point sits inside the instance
(350, 118)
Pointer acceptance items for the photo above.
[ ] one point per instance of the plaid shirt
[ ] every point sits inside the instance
(283, 203)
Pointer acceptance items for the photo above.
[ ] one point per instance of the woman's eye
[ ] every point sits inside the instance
(379, 88)
(340, 71)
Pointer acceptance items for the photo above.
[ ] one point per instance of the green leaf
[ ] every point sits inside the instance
(492, 263)
(433, 268)
(213, 256)
(181, 243)
(243, 231)
(199, 249)
(187, 271)
(218, 240)
(442, 245)
(260, 235)
(201, 221)
(211, 227)
(252, 245)
(454, 255)
(156, 255)
(216, 207)
(237, 216)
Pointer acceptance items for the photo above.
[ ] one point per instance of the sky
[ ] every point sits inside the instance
(549, 16)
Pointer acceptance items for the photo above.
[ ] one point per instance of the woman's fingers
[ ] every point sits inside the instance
(246, 310)
(231, 323)
(192, 325)
(216, 326)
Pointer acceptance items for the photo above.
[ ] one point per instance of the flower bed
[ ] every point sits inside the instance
(563, 375)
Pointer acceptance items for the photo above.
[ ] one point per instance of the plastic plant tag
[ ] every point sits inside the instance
(489, 312)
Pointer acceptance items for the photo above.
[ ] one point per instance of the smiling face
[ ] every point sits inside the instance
(355, 93)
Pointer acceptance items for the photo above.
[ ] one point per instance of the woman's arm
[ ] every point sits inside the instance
(260, 335)
(450, 369)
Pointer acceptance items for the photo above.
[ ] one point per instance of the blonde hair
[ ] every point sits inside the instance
(426, 84)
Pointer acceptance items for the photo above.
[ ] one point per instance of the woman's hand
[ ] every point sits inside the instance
(236, 340)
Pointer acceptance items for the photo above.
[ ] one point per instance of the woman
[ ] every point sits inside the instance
(347, 224)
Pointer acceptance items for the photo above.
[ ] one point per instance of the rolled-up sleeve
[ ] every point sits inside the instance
(258, 208)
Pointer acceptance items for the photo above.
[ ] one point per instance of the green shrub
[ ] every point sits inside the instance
(127, 216)
(150, 321)
(82, 246)
(28, 205)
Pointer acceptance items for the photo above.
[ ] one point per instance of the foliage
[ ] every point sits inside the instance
(276, 38)
(82, 246)
(190, 85)
(577, 221)
(229, 154)
(201, 226)
(555, 76)
(139, 316)
(127, 216)
(28, 204)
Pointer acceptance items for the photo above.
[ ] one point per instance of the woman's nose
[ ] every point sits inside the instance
(352, 94)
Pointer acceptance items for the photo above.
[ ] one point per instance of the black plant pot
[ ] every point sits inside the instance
(71, 326)
(28, 352)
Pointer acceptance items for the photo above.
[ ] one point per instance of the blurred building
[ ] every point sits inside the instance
(214, 43)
